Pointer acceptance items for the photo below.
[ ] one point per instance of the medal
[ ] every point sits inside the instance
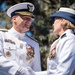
(19, 38)
(53, 53)
(8, 54)
(30, 52)
(21, 46)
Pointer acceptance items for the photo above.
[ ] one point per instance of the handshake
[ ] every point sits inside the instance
(29, 71)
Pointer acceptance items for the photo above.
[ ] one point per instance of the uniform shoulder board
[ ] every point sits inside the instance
(3, 30)
(32, 38)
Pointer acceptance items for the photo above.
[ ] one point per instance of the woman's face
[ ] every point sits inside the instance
(57, 26)
(22, 23)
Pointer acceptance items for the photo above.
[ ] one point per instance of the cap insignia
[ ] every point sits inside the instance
(30, 8)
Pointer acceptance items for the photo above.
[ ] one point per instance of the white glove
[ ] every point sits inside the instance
(31, 72)
(25, 71)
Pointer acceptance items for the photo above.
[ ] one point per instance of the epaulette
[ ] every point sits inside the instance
(32, 38)
(3, 30)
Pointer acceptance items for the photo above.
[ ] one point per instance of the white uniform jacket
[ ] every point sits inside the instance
(63, 60)
(13, 53)
(35, 63)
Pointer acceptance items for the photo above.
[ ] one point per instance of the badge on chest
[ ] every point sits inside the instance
(30, 52)
(52, 53)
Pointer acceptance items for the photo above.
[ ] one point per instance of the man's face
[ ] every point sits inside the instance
(22, 23)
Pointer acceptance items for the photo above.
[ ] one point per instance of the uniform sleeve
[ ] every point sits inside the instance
(66, 58)
(36, 66)
(6, 67)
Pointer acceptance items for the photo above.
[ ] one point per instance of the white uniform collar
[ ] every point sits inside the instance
(16, 33)
(68, 32)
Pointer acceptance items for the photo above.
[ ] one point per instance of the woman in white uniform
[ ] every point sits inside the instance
(61, 60)
(62, 53)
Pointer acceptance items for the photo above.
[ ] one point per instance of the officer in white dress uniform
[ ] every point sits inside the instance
(22, 18)
(61, 60)
(17, 54)
(62, 53)
(12, 53)
(35, 64)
